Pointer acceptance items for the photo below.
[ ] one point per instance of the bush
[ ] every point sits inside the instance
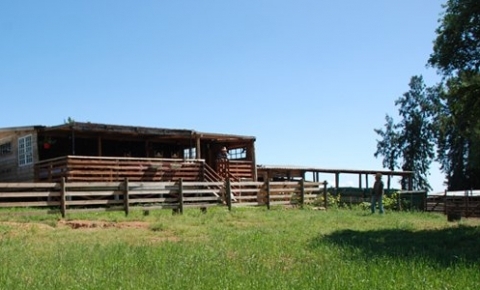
(332, 201)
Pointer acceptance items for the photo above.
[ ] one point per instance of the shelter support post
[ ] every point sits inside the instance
(337, 182)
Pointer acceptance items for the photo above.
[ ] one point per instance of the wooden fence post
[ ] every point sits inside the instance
(424, 201)
(445, 202)
(268, 193)
(126, 201)
(180, 196)
(228, 193)
(399, 200)
(302, 192)
(325, 202)
(63, 203)
(466, 204)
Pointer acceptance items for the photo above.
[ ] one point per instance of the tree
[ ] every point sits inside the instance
(456, 54)
(388, 146)
(457, 46)
(458, 138)
(412, 139)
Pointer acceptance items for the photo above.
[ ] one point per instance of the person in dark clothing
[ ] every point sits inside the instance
(377, 194)
(223, 153)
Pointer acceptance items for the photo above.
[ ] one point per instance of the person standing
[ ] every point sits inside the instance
(377, 194)
(223, 153)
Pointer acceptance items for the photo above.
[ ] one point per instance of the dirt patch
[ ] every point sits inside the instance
(84, 224)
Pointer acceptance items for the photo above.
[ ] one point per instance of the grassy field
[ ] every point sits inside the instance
(248, 248)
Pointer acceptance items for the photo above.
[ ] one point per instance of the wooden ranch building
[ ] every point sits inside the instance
(101, 152)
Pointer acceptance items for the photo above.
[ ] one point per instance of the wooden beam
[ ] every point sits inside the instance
(198, 153)
(254, 162)
(337, 181)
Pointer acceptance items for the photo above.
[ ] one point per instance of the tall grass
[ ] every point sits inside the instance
(248, 248)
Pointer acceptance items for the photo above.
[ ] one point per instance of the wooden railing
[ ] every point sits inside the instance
(111, 169)
(241, 170)
(86, 196)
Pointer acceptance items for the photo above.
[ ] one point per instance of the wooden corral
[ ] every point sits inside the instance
(93, 196)
(108, 152)
(461, 203)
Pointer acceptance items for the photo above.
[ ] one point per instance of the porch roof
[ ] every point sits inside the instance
(82, 127)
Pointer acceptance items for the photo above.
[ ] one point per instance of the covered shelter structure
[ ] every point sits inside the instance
(268, 172)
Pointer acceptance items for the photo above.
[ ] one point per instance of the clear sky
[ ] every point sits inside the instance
(309, 79)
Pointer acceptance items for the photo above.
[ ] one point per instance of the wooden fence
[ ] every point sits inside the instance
(463, 203)
(94, 196)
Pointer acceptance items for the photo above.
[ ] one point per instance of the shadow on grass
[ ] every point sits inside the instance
(446, 247)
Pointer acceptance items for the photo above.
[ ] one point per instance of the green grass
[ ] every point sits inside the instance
(248, 248)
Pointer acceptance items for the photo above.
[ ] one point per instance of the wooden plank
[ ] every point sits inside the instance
(94, 202)
(18, 185)
(247, 183)
(154, 200)
(63, 207)
(195, 205)
(280, 203)
(94, 193)
(205, 198)
(29, 194)
(245, 197)
(246, 190)
(198, 191)
(93, 184)
(126, 196)
(150, 192)
(203, 184)
(29, 203)
(148, 184)
(163, 206)
(245, 204)
(285, 190)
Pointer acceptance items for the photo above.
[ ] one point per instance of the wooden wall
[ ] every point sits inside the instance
(9, 169)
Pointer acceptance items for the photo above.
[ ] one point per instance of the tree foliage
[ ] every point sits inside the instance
(388, 146)
(456, 47)
(458, 134)
(412, 139)
(456, 54)
(447, 115)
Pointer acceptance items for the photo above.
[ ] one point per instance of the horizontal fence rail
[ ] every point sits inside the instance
(177, 195)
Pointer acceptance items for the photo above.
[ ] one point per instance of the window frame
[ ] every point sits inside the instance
(237, 153)
(25, 150)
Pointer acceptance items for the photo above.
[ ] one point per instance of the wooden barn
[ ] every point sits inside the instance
(102, 152)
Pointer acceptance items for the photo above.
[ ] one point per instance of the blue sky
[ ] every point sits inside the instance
(310, 79)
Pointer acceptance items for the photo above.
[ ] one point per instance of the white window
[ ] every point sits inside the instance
(190, 153)
(25, 150)
(237, 153)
